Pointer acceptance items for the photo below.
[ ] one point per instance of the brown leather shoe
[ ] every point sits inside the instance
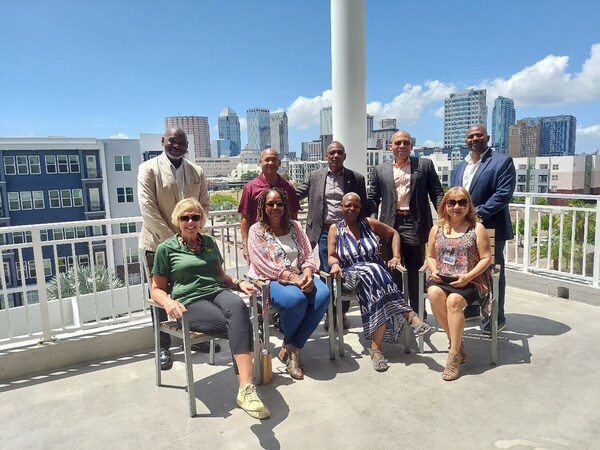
(293, 365)
(345, 322)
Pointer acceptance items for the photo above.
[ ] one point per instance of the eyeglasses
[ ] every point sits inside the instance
(463, 202)
(405, 142)
(275, 204)
(194, 218)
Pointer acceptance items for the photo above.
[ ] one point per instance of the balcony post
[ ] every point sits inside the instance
(527, 233)
(596, 273)
(40, 278)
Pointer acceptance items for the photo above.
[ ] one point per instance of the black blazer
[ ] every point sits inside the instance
(425, 186)
(314, 189)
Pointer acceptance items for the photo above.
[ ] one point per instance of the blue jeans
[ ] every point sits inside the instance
(501, 294)
(299, 312)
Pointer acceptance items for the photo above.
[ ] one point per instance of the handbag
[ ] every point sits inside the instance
(351, 283)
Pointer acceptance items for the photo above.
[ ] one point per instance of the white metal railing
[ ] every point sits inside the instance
(544, 243)
(556, 238)
(38, 317)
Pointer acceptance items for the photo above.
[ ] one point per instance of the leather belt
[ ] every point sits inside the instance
(402, 212)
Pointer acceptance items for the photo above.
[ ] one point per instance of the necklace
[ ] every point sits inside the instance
(194, 246)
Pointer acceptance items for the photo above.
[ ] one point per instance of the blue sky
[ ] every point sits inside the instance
(102, 68)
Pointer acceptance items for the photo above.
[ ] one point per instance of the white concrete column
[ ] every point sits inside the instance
(349, 107)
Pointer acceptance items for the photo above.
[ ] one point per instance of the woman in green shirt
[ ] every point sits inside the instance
(188, 276)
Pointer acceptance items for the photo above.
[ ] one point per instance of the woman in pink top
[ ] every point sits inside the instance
(280, 251)
(458, 256)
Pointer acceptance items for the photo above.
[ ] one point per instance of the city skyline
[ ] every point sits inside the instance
(120, 69)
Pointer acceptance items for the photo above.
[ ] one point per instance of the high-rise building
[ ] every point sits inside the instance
(543, 136)
(503, 117)
(279, 133)
(524, 140)
(326, 121)
(259, 128)
(557, 134)
(387, 123)
(312, 151)
(196, 126)
(461, 110)
(229, 129)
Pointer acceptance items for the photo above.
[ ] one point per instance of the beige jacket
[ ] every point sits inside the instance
(158, 194)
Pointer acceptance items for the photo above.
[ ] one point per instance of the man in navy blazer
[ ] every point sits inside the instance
(405, 187)
(490, 178)
(325, 189)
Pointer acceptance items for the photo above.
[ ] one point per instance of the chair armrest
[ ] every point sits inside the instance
(400, 268)
(423, 268)
(153, 303)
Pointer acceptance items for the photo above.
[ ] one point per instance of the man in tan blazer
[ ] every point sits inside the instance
(162, 182)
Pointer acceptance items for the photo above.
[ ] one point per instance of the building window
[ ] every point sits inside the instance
(17, 237)
(125, 195)
(77, 197)
(20, 274)
(123, 163)
(54, 198)
(34, 165)
(133, 255)
(544, 166)
(522, 166)
(32, 272)
(554, 166)
(62, 264)
(542, 189)
(80, 232)
(100, 258)
(65, 198)
(97, 230)
(84, 260)
(128, 227)
(13, 201)
(74, 163)
(554, 177)
(33, 297)
(63, 164)
(26, 201)
(50, 163)
(22, 165)
(38, 200)
(543, 178)
(47, 267)
(69, 233)
(44, 235)
(9, 165)
(58, 234)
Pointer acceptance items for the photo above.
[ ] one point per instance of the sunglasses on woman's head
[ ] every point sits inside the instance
(463, 202)
(195, 218)
(275, 204)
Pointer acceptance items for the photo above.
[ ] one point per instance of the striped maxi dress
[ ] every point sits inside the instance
(380, 299)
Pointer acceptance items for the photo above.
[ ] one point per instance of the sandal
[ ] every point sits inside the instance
(462, 352)
(451, 371)
(379, 364)
(284, 357)
(293, 366)
(419, 329)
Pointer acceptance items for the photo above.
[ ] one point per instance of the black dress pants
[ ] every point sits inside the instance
(413, 257)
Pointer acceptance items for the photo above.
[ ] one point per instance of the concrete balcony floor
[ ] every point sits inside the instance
(543, 394)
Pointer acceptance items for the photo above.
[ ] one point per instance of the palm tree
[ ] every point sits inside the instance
(85, 278)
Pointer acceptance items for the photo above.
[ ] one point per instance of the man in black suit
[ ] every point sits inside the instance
(404, 187)
(325, 189)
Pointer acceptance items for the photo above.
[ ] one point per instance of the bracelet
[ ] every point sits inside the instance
(331, 265)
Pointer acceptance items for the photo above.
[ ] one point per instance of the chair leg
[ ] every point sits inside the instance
(338, 318)
(156, 325)
(189, 370)
(256, 363)
(406, 335)
(330, 319)
(211, 355)
(494, 331)
(421, 339)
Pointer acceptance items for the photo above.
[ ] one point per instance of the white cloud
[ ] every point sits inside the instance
(305, 112)
(407, 107)
(119, 136)
(432, 144)
(548, 83)
(594, 130)
(243, 123)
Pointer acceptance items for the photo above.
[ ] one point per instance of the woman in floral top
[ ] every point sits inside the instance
(458, 256)
(280, 251)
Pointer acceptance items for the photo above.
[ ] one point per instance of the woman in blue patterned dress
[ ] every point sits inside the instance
(353, 248)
